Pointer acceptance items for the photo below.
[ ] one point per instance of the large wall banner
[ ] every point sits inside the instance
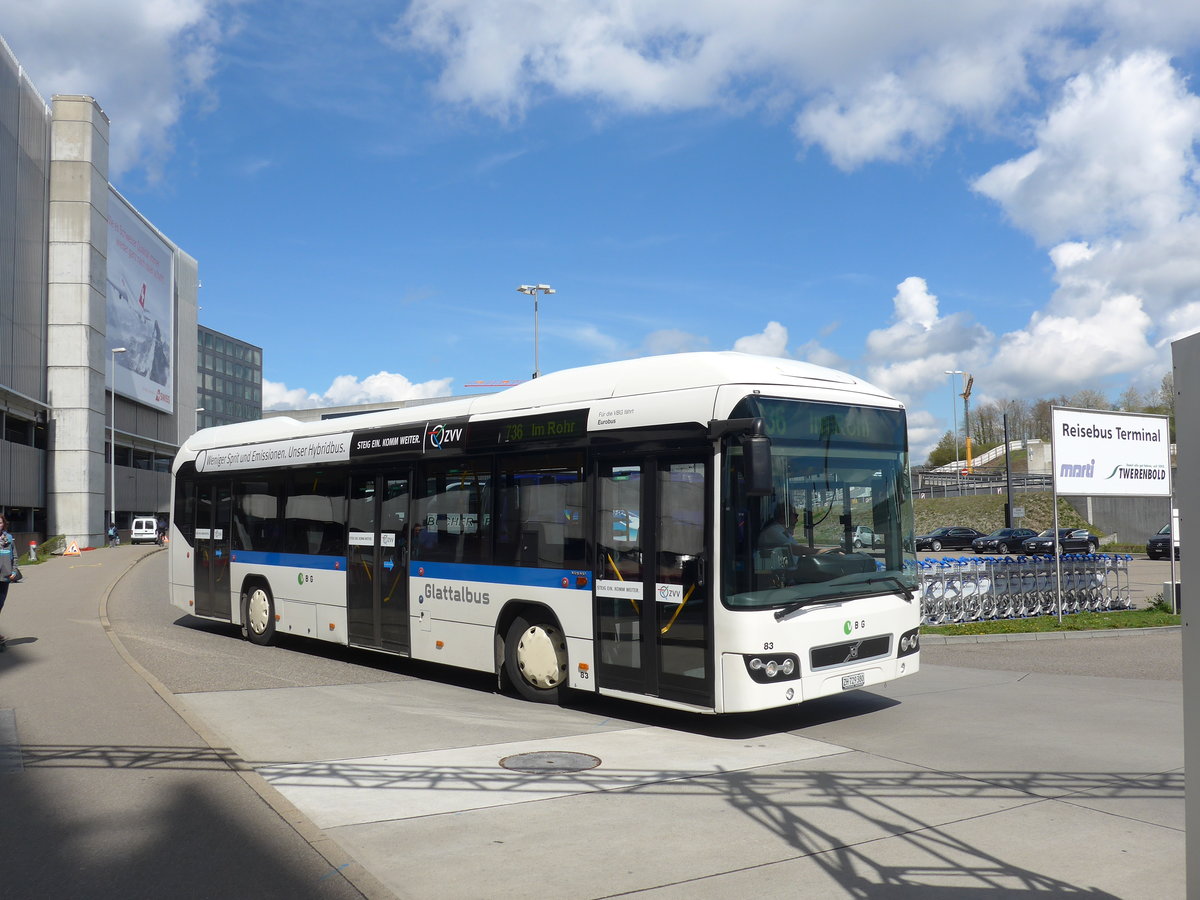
(1110, 453)
(141, 309)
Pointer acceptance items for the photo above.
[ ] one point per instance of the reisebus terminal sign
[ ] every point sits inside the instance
(1110, 453)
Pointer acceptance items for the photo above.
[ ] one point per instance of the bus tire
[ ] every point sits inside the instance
(259, 614)
(535, 658)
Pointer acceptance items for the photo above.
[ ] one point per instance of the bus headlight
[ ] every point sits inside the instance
(767, 668)
(910, 643)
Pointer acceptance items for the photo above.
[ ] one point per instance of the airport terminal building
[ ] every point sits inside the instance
(98, 350)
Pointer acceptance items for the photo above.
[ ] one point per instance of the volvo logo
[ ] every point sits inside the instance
(853, 654)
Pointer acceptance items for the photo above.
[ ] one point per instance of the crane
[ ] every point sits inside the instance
(966, 397)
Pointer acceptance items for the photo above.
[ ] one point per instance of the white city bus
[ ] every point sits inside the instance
(677, 530)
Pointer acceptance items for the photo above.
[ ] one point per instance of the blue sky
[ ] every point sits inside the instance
(891, 189)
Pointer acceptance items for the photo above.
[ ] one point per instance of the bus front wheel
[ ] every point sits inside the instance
(535, 659)
(259, 614)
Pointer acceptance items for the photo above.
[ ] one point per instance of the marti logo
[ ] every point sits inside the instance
(440, 435)
(1078, 470)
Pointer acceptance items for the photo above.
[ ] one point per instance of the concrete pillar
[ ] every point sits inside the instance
(77, 318)
(1186, 358)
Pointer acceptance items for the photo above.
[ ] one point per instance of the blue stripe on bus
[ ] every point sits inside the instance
(522, 575)
(295, 560)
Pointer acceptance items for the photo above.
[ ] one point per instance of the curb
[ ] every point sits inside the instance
(339, 860)
(940, 639)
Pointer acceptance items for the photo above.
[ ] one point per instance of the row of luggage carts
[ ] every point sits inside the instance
(1010, 587)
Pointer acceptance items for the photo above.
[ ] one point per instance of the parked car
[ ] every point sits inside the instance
(1003, 540)
(865, 537)
(1070, 540)
(950, 538)
(1158, 545)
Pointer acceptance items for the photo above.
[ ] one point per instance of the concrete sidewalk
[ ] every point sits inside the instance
(957, 781)
(104, 790)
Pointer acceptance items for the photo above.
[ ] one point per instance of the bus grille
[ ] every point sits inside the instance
(851, 652)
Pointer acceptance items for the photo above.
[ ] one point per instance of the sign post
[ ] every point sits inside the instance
(1098, 453)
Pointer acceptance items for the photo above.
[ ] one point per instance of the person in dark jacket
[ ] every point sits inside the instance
(8, 563)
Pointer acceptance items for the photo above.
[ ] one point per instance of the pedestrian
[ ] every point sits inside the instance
(8, 565)
(113, 539)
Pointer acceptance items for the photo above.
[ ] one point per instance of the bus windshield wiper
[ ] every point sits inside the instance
(784, 611)
(891, 580)
(908, 592)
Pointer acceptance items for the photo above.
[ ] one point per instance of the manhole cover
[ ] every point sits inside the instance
(543, 761)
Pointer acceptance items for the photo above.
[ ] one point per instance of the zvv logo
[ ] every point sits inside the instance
(440, 434)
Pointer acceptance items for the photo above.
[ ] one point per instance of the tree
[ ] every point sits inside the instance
(987, 424)
(1088, 399)
(943, 453)
(1132, 400)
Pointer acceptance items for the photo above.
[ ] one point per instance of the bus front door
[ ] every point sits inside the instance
(210, 558)
(653, 617)
(377, 562)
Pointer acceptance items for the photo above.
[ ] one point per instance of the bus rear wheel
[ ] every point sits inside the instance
(535, 659)
(258, 614)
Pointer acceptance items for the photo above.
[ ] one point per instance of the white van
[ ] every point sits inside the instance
(145, 528)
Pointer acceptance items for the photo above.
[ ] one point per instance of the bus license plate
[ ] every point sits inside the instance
(856, 680)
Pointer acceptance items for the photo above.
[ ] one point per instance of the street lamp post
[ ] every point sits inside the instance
(954, 410)
(112, 437)
(533, 290)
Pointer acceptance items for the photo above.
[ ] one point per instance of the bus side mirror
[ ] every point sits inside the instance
(756, 450)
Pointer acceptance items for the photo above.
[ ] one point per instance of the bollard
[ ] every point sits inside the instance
(33, 551)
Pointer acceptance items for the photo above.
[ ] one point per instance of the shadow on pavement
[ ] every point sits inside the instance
(170, 830)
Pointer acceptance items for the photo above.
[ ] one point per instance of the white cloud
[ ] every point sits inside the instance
(819, 355)
(672, 340)
(919, 331)
(1114, 156)
(771, 341)
(1056, 353)
(885, 120)
(347, 390)
(277, 395)
(141, 59)
(865, 81)
(924, 432)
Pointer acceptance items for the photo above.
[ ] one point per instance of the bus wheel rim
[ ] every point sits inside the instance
(258, 608)
(541, 656)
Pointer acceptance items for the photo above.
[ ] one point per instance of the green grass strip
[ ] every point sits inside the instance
(1126, 618)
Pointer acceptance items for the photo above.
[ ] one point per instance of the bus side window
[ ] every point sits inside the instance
(540, 512)
(452, 518)
(315, 500)
(619, 525)
(185, 508)
(256, 514)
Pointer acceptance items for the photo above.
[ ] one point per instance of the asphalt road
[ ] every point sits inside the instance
(891, 800)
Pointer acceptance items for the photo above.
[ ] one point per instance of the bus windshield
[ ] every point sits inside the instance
(838, 522)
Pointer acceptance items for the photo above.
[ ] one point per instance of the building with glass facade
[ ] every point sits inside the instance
(97, 327)
(228, 379)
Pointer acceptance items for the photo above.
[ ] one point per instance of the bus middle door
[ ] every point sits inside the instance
(377, 561)
(653, 618)
(214, 503)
